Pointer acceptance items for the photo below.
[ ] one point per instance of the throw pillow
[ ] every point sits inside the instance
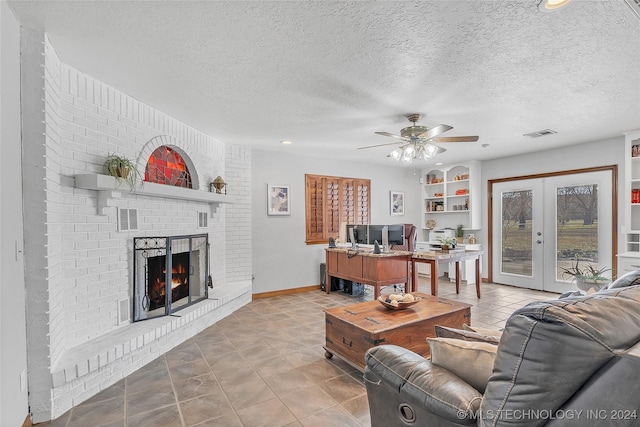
(466, 335)
(631, 278)
(484, 331)
(471, 361)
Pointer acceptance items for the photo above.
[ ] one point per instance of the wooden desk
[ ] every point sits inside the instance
(366, 267)
(434, 258)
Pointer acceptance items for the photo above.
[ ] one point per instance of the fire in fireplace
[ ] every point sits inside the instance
(158, 293)
(156, 285)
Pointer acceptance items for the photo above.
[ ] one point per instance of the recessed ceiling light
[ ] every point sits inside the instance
(551, 5)
(439, 164)
(286, 142)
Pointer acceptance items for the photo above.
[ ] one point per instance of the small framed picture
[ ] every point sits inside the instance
(397, 202)
(635, 150)
(278, 199)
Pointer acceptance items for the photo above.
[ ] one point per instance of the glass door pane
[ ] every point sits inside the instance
(517, 240)
(581, 227)
(517, 225)
(577, 229)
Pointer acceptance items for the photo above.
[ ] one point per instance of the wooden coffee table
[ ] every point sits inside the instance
(353, 329)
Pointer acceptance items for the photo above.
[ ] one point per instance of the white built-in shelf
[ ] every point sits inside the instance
(110, 188)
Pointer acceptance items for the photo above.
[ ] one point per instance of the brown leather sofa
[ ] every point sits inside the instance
(574, 361)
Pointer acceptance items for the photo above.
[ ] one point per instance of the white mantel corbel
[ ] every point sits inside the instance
(109, 188)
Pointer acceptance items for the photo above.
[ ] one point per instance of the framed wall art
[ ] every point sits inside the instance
(278, 199)
(397, 202)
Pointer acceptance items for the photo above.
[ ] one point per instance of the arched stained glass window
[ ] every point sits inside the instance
(166, 166)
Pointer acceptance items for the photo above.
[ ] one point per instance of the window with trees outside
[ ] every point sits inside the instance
(331, 200)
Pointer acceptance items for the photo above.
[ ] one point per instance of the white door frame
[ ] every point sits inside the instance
(613, 209)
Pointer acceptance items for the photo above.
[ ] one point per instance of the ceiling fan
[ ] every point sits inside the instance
(417, 141)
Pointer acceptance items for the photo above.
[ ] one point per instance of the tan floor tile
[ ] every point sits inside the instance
(307, 401)
(97, 414)
(272, 413)
(197, 386)
(229, 419)
(248, 391)
(168, 416)
(148, 400)
(334, 416)
(343, 387)
(285, 382)
(188, 370)
(204, 408)
(358, 407)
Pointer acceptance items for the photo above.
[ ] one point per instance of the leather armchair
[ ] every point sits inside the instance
(567, 362)
(410, 239)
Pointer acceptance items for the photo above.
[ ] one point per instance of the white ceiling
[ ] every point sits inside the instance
(328, 74)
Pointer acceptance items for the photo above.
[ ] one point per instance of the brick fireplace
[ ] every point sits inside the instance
(80, 262)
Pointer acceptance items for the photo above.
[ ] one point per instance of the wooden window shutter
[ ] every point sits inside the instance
(362, 190)
(332, 210)
(331, 200)
(314, 206)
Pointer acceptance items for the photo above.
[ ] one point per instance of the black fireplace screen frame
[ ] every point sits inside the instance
(146, 248)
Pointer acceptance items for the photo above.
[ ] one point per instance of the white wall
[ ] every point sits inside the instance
(591, 154)
(281, 258)
(13, 347)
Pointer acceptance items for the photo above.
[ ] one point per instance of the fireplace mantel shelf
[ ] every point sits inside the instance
(110, 188)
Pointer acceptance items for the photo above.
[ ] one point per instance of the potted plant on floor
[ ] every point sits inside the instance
(587, 276)
(122, 169)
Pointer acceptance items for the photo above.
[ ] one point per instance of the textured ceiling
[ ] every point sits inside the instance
(328, 74)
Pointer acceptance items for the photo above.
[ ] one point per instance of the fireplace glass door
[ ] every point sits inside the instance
(170, 273)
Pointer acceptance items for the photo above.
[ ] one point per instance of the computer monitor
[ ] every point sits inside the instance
(375, 233)
(360, 233)
(396, 234)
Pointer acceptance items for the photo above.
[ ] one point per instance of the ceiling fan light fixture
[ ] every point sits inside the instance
(396, 154)
(408, 154)
(551, 5)
(430, 151)
(409, 151)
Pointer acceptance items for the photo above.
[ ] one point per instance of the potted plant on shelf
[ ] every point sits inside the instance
(587, 277)
(121, 168)
(447, 243)
(459, 233)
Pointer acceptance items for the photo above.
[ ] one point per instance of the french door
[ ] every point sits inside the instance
(541, 225)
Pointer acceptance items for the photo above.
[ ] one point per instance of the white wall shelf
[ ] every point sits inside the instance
(110, 188)
(630, 258)
(455, 193)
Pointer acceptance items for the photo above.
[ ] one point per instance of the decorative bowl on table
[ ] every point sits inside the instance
(391, 303)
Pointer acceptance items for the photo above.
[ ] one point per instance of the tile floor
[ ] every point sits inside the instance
(264, 366)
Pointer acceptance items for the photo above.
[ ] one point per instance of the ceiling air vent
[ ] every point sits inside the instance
(635, 6)
(540, 133)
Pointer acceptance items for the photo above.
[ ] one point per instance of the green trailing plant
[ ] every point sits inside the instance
(459, 230)
(122, 169)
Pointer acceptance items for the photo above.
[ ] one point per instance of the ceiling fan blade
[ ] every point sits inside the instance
(390, 134)
(455, 139)
(381, 145)
(435, 131)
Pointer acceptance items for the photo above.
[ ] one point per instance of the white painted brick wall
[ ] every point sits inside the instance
(79, 262)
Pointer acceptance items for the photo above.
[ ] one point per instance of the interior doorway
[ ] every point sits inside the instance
(540, 224)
